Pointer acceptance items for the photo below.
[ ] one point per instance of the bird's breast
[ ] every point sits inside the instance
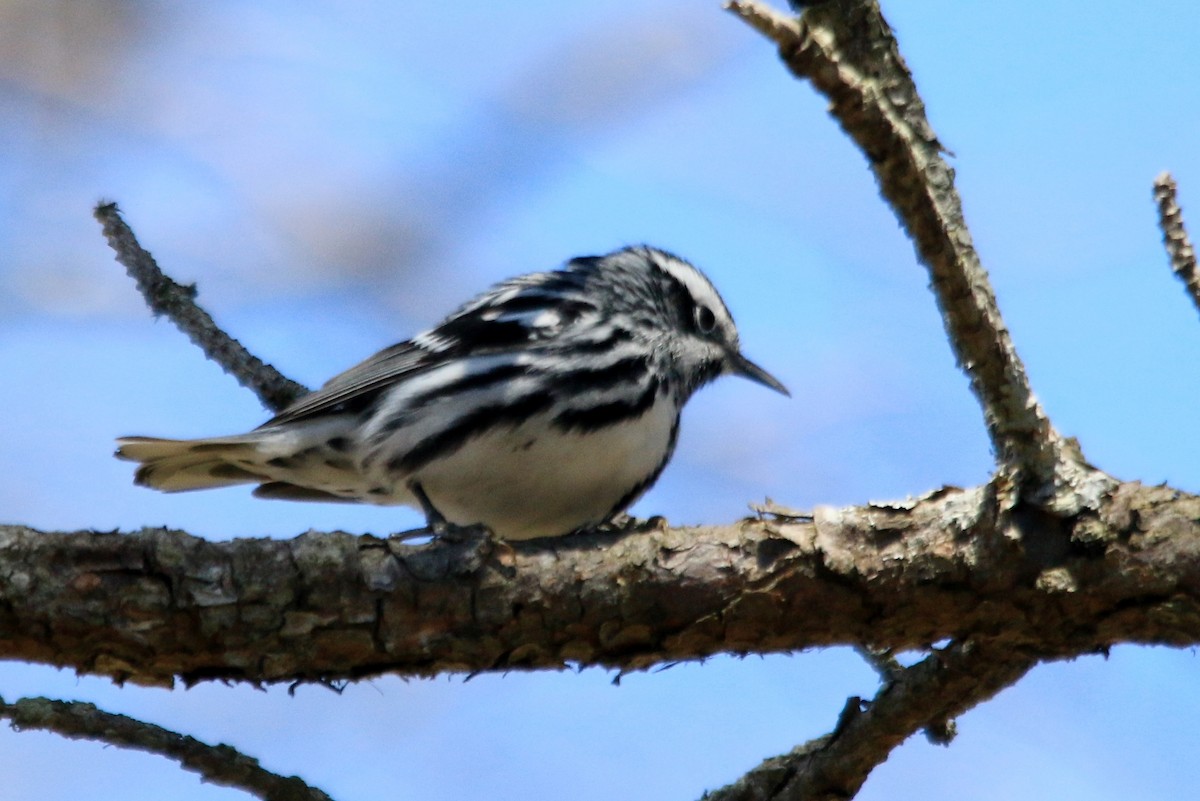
(536, 479)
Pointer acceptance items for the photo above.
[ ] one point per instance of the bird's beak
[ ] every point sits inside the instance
(740, 365)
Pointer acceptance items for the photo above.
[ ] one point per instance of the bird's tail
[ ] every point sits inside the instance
(177, 465)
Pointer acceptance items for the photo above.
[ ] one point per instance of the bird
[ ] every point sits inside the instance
(546, 405)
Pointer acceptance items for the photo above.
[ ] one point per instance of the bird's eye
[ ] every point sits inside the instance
(706, 321)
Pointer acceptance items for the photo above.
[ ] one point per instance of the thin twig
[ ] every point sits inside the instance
(1175, 235)
(218, 764)
(925, 696)
(178, 302)
(847, 51)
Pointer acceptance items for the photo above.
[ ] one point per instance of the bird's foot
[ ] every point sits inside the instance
(469, 547)
(454, 550)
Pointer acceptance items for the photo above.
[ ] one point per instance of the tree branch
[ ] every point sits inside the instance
(847, 51)
(1175, 236)
(945, 684)
(166, 297)
(156, 605)
(220, 764)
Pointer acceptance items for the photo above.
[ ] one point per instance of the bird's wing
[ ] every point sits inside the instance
(534, 308)
(357, 387)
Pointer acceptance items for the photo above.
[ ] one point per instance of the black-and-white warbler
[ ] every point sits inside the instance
(549, 403)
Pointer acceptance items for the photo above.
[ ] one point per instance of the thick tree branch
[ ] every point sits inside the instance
(945, 684)
(847, 51)
(1175, 236)
(218, 764)
(156, 605)
(166, 297)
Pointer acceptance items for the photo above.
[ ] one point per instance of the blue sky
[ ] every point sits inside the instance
(336, 177)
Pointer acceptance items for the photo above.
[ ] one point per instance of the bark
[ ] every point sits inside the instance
(926, 695)
(157, 605)
(216, 764)
(1178, 244)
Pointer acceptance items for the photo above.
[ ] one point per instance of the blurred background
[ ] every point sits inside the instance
(335, 177)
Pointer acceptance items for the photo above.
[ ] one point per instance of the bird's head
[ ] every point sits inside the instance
(677, 309)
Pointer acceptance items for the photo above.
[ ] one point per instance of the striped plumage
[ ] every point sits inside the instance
(548, 403)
